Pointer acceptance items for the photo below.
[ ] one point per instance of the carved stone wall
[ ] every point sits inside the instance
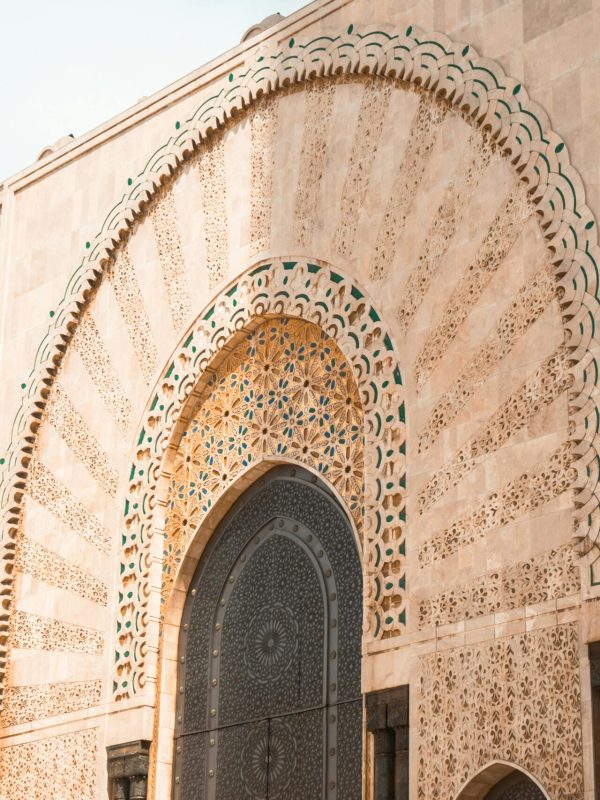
(516, 699)
(545, 577)
(498, 104)
(514, 500)
(27, 703)
(436, 227)
(52, 768)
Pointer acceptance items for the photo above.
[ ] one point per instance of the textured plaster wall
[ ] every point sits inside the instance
(407, 200)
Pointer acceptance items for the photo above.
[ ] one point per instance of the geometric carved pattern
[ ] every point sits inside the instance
(515, 499)
(263, 127)
(545, 577)
(423, 135)
(35, 559)
(516, 699)
(367, 138)
(319, 108)
(315, 294)
(211, 179)
(62, 414)
(502, 235)
(96, 359)
(46, 489)
(26, 703)
(455, 73)
(163, 218)
(124, 280)
(33, 632)
(540, 389)
(69, 759)
(530, 302)
(474, 162)
(285, 391)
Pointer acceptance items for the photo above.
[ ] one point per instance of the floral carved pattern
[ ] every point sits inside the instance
(269, 758)
(515, 700)
(270, 643)
(285, 391)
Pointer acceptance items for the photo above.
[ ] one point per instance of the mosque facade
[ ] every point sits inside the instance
(300, 413)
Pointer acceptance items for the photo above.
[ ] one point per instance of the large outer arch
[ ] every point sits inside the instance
(473, 86)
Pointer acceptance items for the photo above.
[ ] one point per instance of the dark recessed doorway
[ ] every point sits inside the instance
(269, 701)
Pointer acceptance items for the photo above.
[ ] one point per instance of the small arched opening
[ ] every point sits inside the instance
(502, 781)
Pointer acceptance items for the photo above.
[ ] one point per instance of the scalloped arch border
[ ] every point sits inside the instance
(475, 87)
(320, 294)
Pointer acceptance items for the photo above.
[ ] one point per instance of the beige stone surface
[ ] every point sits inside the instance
(409, 201)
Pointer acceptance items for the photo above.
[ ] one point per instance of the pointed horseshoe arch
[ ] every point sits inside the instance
(318, 294)
(473, 86)
(502, 781)
(269, 650)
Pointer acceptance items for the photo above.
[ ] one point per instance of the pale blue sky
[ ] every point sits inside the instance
(69, 65)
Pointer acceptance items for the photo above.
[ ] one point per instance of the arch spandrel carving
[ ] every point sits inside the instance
(488, 705)
(477, 89)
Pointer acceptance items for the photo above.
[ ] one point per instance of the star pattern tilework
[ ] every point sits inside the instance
(286, 391)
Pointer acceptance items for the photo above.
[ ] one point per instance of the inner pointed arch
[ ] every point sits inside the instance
(309, 292)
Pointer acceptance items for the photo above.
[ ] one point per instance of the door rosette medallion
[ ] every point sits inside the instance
(271, 643)
(269, 755)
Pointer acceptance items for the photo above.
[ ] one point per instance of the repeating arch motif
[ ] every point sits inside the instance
(473, 86)
(317, 294)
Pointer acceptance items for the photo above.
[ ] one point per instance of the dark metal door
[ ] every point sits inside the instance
(269, 699)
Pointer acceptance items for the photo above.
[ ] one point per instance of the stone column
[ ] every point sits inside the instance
(594, 654)
(121, 788)
(128, 770)
(387, 720)
(397, 716)
(138, 787)
(384, 764)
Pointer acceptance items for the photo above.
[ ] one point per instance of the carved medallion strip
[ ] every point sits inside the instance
(499, 240)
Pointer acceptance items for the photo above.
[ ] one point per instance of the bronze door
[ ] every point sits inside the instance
(269, 682)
